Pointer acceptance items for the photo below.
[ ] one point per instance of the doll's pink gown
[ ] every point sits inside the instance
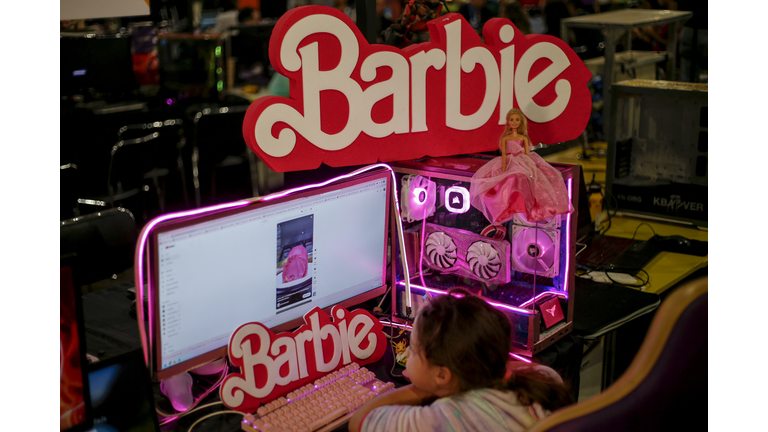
(529, 185)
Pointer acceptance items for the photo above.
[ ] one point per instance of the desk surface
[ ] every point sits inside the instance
(667, 268)
(627, 18)
(597, 152)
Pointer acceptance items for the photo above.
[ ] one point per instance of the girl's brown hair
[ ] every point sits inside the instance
(473, 339)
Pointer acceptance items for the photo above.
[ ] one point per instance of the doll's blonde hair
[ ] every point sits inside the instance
(522, 130)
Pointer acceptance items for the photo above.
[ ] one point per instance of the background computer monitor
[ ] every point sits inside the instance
(211, 274)
(73, 385)
(249, 46)
(121, 394)
(100, 66)
(208, 19)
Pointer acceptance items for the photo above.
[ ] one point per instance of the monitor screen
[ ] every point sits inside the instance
(190, 65)
(121, 395)
(249, 45)
(73, 381)
(208, 19)
(269, 262)
(96, 63)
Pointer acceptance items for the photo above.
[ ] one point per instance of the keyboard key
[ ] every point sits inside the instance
(323, 405)
(327, 418)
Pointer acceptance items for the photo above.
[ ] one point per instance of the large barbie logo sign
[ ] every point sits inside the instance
(355, 103)
(273, 365)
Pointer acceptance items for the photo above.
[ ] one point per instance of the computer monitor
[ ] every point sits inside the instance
(121, 395)
(269, 261)
(249, 45)
(208, 19)
(99, 65)
(73, 385)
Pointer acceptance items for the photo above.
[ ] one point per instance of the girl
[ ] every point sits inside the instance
(460, 377)
(519, 181)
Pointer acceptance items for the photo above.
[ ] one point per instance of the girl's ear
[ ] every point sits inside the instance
(447, 383)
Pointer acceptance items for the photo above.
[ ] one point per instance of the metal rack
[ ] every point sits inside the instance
(613, 25)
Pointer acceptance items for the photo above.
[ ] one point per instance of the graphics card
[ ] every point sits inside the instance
(455, 251)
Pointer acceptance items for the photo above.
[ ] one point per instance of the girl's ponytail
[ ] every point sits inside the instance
(532, 384)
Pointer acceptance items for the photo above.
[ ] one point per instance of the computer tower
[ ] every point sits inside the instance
(523, 268)
(657, 152)
(191, 66)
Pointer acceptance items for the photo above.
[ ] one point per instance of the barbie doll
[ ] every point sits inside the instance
(519, 181)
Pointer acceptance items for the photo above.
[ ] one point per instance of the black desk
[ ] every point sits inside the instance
(601, 310)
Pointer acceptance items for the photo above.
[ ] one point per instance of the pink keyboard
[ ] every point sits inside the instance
(322, 406)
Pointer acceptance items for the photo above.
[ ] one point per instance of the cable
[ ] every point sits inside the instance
(645, 282)
(204, 406)
(605, 269)
(394, 355)
(421, 244)
(384, 297)
(638, 227)
(185, 413)
(195, 407)
(608, 209)
(391, 338)
(211, 415)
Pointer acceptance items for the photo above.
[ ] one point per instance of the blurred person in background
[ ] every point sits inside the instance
(517, 14)
(476, 12)
(226, 18)
(554, 12)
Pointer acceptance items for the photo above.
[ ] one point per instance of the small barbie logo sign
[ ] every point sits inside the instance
(273, 365)
(355, 103)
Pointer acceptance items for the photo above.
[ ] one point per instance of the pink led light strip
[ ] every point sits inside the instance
(410, 328)
(492, 303)
(557, 293)
(568, 236)
(519, 357)
(144, 235)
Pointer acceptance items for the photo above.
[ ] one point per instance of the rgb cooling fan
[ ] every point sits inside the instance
(551, 222)
(536, 251)
(441, 250)
(418, 195)
(455, 251)
(483, 260)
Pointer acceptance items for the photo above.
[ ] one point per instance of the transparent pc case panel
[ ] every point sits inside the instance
(538, 265)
